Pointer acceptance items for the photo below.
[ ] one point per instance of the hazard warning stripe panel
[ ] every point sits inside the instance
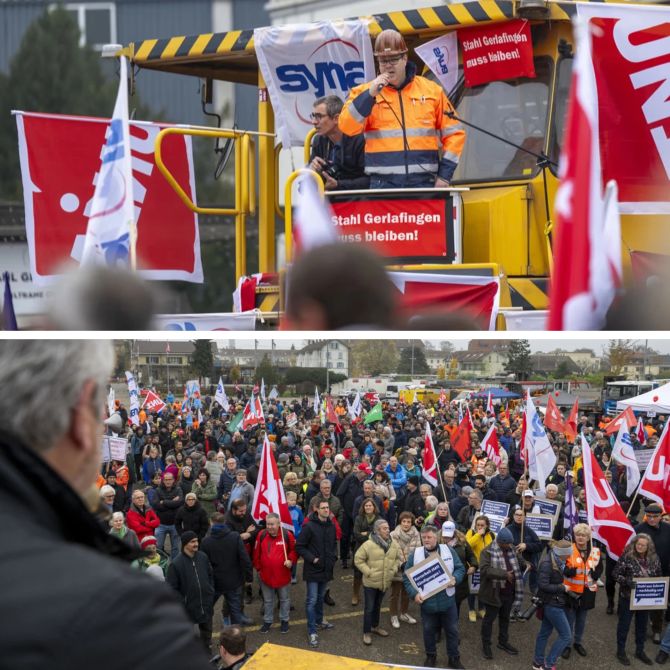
(529, 293)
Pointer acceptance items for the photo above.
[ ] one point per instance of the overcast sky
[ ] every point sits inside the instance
(568, 343)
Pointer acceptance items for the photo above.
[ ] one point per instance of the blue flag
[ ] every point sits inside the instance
(8, 316)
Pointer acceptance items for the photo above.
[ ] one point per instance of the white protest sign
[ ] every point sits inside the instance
(650, 593)
(429, 576)
(542, 524)
(441, 56)
(496, 512)
(117, 448)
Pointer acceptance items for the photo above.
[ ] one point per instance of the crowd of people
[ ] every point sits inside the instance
(359, 501)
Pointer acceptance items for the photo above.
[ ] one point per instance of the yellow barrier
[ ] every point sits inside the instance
(307, 149)
(288, 207)
(245, 183)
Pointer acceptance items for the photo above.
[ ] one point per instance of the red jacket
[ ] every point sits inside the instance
(142, 524)
(269, 558)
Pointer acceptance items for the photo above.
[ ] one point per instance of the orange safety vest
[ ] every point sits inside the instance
(582, 578)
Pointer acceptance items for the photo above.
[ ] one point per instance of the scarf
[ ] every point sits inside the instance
(406, 540)
(380, 542)
(498, 561)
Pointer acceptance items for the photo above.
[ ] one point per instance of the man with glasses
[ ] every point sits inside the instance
(403, 118)
(338, 158)
(659, 532)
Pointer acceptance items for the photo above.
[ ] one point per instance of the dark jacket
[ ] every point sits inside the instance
(661, 538)
(348, 158)
(347, 493)
(465, 518)
(82, 592)
(414, 503)
(192, 518)
(502, 486)
(192, 578)
(489, 591)
(550, 583)
(531, 540)
(166, 507)
(230, 561)
(317, 540)
(468, 559)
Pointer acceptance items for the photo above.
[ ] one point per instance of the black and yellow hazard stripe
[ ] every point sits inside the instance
(267, 298)
(529, 293)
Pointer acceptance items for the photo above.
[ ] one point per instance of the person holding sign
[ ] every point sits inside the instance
(434, 589)
(501, 589)
(377, 559)
(638, 560)
(404, 118)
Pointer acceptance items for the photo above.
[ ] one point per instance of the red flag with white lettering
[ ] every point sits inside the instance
(641, 433)
(60, 157)
(627, 416)
(253, 413)
(152, 403)
(429, 464)
(269, 493)
(656, 481)
(606, 518)
(553, 419)
(491, 446)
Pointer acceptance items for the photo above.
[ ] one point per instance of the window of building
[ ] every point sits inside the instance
(152, 360)
(96, 21)
(333, 345)
(174, 360)
(340, 365)
(340, 355)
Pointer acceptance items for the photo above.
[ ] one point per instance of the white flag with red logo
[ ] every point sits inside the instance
(541, 457)
(153, 403)
(429, 464)
(640, 432)
(606, 518)
(622, 452)
(489, 404)
(655, 483)
(253, 413)
(491, 446)
(584, 279)
(269, 493)
(471, 423)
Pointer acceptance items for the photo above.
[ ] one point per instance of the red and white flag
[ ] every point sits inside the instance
(626, 417)
(269, 493)
(606, 518)
(461, 439)
(443, 398)
(553, 419)
(641, 433)
(252, 414)
(489, 404)
(152, 403)
(584, 278)
(331, 415)
(655, 483)
(491, 445)
(429, 465)
(468, 416)
(570, 426)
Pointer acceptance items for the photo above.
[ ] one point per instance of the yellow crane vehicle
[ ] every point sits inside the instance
(502, 198)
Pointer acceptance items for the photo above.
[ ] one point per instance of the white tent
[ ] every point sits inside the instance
(656, 400)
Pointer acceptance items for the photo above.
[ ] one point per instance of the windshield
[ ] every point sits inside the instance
(517, 111)
(620, 392)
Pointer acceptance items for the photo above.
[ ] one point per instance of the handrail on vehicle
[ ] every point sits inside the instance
(288, 207)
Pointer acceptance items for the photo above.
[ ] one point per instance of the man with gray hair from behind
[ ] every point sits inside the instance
(64, 578)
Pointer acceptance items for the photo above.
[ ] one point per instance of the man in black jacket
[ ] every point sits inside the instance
(190, 574)
(349, 490)
(169, 498)
(338, 158)
(317, 544)
(70, 589)
(231, 564)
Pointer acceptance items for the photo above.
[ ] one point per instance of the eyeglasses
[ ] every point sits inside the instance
(390, 61)
(315, 116)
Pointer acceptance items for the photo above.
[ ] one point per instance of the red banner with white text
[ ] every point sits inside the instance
(60, 159)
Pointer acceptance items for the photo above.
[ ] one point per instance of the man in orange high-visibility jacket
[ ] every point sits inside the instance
(404, 119)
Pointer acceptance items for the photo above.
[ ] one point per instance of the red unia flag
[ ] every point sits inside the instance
(606, 518)
(491, 446)
(489, 404)
(570, 426)
(461, 440)
(252, 414)
(586, 271)
(627, 417)
(152, 403)
(553, 419)
(640, 432)
(429, 466)
(269, 493)
(656, 481)
(332, 416)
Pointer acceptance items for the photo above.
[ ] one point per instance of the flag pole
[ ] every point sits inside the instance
(632, 502)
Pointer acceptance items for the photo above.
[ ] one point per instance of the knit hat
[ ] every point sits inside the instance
(147, 541)
(187, 536)
(448, 529)
(505, 536)
(190, 494)
(364, 467)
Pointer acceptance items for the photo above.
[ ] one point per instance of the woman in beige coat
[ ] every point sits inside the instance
(378, 560)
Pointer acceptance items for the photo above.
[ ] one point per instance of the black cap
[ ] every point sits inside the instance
(654, 508)
(187, 536)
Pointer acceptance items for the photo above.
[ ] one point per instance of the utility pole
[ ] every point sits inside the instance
(327, 366)
(412, 358)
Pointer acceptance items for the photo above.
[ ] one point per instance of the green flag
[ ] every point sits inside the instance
(375, 414)
(235, 423)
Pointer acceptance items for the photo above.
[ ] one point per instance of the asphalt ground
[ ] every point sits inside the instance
(404, 646)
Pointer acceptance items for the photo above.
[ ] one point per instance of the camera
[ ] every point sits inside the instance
(331, 170)
(535, 602)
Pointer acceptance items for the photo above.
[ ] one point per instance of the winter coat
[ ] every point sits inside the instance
(465, 518)
(127, 535)
(186, 484)
(298, 519)
(363, 529)
(479, 542)
(378, 566)
(193, 579)
(414, 503)
(57, 620)
(441, 601)
(348, 491)
(243, 491)
(229, 558)
(150, 467)
(531, 540)
(661, 539)
(469, 560)
(166, 507)
(335, 506)
(398, 478)
(192, 518)
(206, 495)
(550, 583)
(317, 540)
(502, 486)
(226, 483)
(143, 521)
(407, 543)
(269, 558)
(489, 592)
(630, 568)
